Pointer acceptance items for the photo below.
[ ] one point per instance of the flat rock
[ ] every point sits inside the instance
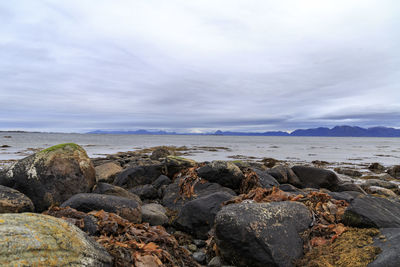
(390, 255)
(261, 234)
(41, 240)
(13, 201)
(51, 176)
(124, 207)
(316, 177)
(381, 191)
(380, 183)
(107, 172)
(224, 173)
(197, 216)
(154, 214)
(369, 211)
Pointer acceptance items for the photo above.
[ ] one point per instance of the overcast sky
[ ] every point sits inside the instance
(198, 65)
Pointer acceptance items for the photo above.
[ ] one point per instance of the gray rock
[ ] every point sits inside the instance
(265, 179)
(348, 186)
(13, 201)
(348, 172)
(197, 216)
(224, 173)
(154, 214)
(124, 207)
(348, 196)
(161, 152)
(41, 240)
(381, 191)
(113, 190)
(261, 234)
(376, 167)
(369, 211)
(316, 177)
(200, 257)
(284, 174)
(107, 172)
(380, 183)
(215, 262)
(390, 255)
(160, 181)
(146, 191)
(139, 175)
(174, 164)
(394, 171)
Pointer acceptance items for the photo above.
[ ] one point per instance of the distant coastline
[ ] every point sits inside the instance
(337, 131)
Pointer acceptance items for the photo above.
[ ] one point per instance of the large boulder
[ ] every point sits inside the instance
(197, 216)
(39, 240)
(51, 176)
(154, 214)
(107, 172)
(388, 242)
(113, 190)
(146, 191)
(224, 173)
(316, 177)
(160, 152)
(13, 201)
(173, 200)
(376, 212)
(261, 234)
(124, 207)
(284, 175)
(138, 175)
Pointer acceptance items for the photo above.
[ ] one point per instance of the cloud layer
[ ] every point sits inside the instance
(198, 65)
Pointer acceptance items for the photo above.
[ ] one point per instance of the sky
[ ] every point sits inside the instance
(199, 65)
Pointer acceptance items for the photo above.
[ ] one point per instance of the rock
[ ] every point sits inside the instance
(381, 176)
(197, 216)
(138, 175)
(13, 201)
(369, 211)
(192, 247)
(30, 239)
(161, 180)
(224, 173)
(316, 177)
(146, 191)
(200, 243)
(124, 207)
(147, 261)
(390, 255)
(174, 164)
(284, 174)
(261, 234)
(160, 152)
(348, 172)
(113, 190)
(394, 171)
(376, 167)
(348, 196)
(381, 191)
(380, 183)
(215, 262)
(266, 180)
(154, 214)
(269, 162)
(51, 176)
(290, 189)
(348, 186)
(107, 172)
(200, 257)
(173, 200)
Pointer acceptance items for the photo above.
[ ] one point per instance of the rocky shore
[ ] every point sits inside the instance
(154, 208)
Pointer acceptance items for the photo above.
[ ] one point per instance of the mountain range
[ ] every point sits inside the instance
(337, 131)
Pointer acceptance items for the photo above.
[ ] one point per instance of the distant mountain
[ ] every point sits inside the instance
(348, 131)
(337, 131)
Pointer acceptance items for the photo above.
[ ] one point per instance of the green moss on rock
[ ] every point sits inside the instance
(65, 146)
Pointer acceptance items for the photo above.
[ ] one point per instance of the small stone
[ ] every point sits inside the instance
(215, 262)
(199, 243)
(192, 247)
(199, 256)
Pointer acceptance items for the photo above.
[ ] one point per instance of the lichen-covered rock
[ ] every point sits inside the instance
(113, 190)
(51, 176)
(13, 201)
(107, 172)
(174, 164)
(261, 234)
(388, 241)
(29, 239)
(224, 173)
(124, 207)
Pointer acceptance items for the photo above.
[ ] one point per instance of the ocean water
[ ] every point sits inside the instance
(332, 149)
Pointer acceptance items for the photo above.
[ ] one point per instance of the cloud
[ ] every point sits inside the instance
(231, 65)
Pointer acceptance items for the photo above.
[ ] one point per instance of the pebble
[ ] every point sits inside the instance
(200, 257)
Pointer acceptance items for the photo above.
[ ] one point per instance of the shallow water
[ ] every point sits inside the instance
(355, 150)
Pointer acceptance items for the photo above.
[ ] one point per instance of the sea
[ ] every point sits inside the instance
(353, 150)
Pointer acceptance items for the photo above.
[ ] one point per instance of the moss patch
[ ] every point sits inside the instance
(61, 146)
(353, 248)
